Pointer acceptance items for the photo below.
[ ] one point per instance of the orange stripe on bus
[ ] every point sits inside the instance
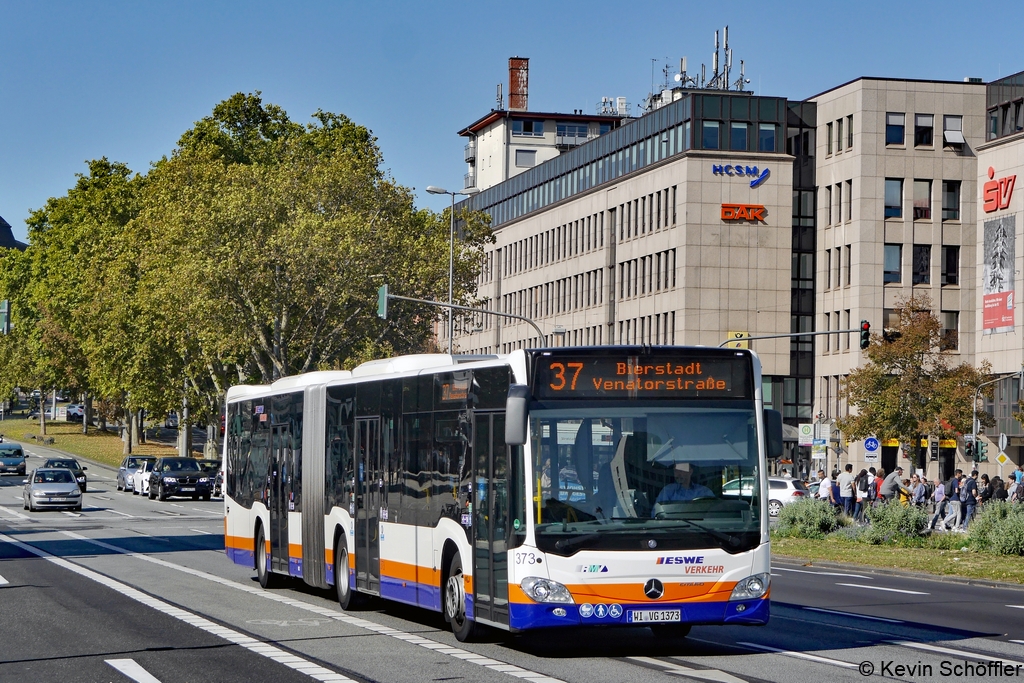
(634, 593)
(294, 550)
(415, 573)
(240, 542)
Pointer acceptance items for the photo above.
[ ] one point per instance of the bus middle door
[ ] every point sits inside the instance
(280, 470)
(370, 488)
(490, 518)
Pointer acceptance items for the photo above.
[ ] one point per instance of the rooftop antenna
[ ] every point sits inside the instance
(500, 99)
(714, 64)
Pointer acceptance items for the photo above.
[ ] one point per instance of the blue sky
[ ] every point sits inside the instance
(125, 79)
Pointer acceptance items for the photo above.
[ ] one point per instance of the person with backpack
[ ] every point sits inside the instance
(969, 497)
(861, 486)
(952, 493)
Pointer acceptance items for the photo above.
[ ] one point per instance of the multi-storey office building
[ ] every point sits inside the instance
(724, 213)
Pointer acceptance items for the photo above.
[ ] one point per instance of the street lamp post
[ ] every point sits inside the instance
(432, 189)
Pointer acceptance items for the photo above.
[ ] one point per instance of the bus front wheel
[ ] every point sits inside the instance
(465, 630)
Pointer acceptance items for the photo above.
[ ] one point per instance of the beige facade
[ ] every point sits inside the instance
(649, 260)
(931, 234)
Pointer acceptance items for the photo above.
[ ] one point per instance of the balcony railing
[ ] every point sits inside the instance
(471, 151)
(470, 181)
(570, 140)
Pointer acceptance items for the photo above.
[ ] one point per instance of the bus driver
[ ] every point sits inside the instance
(683, 487)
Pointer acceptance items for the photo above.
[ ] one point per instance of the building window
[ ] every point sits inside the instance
(839, 269)
(526, 158)
(847, 265)
(846, 326)
(893, 197)
(828, 138)
(922, 264)
(738, 137)
(922, 200)
(828, 203)
(849, 200)
(828, 269)
(953, 130)
(894, 128)
(571, 130)
(527, 127)
(766, 137)
(709, 139)
(950, 200)
(849, 131)
(993, 124)
(839, 135)
(924, 124)
(828, 328)
(950, 265)
(950, 331)
(893, 258)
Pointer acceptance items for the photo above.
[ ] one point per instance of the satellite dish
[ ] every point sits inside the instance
(679, 77)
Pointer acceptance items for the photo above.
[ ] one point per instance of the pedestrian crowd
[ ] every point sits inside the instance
(952, 504)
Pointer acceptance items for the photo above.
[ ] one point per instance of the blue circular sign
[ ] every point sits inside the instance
(871, 444)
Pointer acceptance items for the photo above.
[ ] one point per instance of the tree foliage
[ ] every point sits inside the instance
(252, 251)
(910, 386)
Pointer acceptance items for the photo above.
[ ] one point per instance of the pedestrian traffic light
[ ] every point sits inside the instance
(969, 450)
(865, 334)
(979, 452)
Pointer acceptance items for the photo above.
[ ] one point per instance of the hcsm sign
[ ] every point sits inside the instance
(757, 176)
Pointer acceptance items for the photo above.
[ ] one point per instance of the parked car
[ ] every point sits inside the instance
(179, 477)
(171, 421)
(12, 459)
(125, 481)
(52, 488)
(76, 412)
(70, 464)
(781, 491)
(140, 477)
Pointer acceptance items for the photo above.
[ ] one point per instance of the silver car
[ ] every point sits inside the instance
(781, 491)
(125, 480)
(54, 487)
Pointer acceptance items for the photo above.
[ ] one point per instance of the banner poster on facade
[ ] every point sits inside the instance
(997, 287)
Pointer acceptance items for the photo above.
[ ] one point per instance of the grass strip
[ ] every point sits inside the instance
(102, 447)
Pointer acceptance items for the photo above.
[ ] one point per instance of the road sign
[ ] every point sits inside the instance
(806, 435)
(736, 335)
(871, 444)
(1002, 442)
(1002, 459)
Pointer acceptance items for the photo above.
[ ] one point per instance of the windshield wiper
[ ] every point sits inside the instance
(714, 533)
(567, 543)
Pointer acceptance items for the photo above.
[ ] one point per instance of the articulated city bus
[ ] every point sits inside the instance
(545, 488)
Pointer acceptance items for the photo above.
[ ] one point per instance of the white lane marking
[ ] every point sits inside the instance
(1016, 606)
(951, 651)
(458, 653)
(200, 531)
(177, 506)
(804, 571)
(800, 655)
(118, 512)
(1018, 641)
(278, 655)
(879, 588)
(132, 669)
(853, 614)
(15, 512)
(207, 512)
(679, 670)
(168, 512)
(3, 581)
(70, 514)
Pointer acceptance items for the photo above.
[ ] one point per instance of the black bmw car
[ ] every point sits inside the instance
(179, 477)
(71, 464)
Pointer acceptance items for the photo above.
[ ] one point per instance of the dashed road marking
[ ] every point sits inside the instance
(880, 588)
(679, 670)
(71, 514)
(852, 614)
(259, 647)
(800, 655)
(133, 670)
(804, 571)
(3, 581)
(952, 651)
(200, 531)
(118, 512)
(14, 512)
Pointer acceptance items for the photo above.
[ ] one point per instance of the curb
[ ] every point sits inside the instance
(885, 571)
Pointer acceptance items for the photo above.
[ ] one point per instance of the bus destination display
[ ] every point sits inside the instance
(584, 377)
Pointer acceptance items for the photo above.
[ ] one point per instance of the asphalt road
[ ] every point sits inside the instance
(147, 583)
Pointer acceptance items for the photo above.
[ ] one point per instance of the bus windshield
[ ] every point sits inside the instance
(638, 478)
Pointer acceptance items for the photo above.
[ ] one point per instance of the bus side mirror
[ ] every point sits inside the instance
(515, 414)
(773, 433)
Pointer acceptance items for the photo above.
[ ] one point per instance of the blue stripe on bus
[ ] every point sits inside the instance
(410, 592)
(239, 556)
(530, 615)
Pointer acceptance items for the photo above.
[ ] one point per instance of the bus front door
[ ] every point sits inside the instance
(369, 497)
(490, 519)
(280, 474)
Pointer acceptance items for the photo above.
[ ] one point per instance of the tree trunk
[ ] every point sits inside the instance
(210, 449)
(139, 430)
(126, 432)
(42, 412)
(86, 413)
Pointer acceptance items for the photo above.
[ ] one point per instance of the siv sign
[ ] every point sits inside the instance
(757, 176)
(996, 194)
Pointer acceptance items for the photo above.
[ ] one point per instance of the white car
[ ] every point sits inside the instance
(140, 478)
(781, 491)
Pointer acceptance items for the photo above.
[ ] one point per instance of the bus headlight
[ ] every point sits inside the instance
(751, 587)
(545, 590)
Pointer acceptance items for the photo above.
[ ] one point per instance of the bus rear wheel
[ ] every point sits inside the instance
(464, 629)
(266, 577)
(348, 599)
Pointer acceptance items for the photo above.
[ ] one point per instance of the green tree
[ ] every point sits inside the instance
(910, 386)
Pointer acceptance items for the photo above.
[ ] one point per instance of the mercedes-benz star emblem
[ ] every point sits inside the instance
(654, 589)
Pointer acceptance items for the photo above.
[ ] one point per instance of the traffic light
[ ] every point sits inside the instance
(382, 302)
(865, 334)
(969, 450)
(979, 452)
